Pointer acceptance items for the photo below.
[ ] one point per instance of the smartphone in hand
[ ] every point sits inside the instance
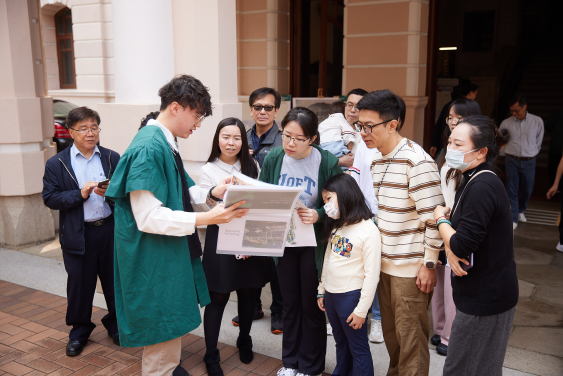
(103, 183)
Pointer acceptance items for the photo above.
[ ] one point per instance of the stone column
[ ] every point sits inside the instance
(383, 49)
(193, 37)
(205, 47)
(143, 62)
(26, 128)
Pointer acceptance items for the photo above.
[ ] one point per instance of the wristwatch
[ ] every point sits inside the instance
(430, 265)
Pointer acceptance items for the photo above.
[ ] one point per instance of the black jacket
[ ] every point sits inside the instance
(61, 192)
(483, 224)
(272, 140)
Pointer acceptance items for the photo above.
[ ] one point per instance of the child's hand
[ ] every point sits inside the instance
(308, 216)
(355, 321)
(321, 303)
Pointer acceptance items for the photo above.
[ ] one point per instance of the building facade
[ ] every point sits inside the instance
(113, 56)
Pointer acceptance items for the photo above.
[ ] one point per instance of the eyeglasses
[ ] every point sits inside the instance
(85, 131)
(368, 128)
(296, 141)
(199, 118)
(452, 120)
(351, 106)
(259, 108)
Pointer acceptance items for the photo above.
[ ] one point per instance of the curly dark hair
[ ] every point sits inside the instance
(186, 91)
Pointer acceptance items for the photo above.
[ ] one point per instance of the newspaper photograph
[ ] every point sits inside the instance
(264, 230)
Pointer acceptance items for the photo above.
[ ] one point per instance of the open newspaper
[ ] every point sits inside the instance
(269, 222)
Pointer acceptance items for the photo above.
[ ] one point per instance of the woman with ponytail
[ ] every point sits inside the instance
(477, 232)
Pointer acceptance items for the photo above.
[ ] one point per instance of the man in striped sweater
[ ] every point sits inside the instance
(407, 186)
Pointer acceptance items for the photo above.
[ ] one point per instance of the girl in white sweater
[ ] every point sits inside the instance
(350, 272)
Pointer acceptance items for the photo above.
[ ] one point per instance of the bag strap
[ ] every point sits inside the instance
(480, 172)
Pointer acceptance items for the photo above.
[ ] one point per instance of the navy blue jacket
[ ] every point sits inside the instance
(272, 140)
(61, 192)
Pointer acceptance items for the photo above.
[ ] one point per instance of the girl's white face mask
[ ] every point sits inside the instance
(331, 210)
(454, 159)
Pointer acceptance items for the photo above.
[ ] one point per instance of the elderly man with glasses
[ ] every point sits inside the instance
(75, 183)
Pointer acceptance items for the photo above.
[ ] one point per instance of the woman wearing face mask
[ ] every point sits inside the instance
(226, 273)
(300, 162)
(350, 272)
(478, 236)
(443, 307)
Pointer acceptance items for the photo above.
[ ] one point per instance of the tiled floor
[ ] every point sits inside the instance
(33, 337)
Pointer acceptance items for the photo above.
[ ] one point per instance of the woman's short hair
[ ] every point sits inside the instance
(307, 120)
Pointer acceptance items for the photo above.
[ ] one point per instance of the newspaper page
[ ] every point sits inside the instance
(262, 232)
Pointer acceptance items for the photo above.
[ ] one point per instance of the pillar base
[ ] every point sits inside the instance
(24, 221)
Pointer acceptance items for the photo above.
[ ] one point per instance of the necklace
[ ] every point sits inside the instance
(388, 163)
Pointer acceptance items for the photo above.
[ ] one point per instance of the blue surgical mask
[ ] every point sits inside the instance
(454, 159)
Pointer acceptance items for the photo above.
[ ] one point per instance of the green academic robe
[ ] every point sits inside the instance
(157, 285)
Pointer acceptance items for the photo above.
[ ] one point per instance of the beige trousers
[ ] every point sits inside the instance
(162, 358)
(404, 321)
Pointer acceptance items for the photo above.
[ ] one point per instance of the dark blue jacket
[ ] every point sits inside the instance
(61, 192)
(272, 140)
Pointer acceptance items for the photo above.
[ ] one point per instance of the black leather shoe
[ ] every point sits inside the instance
(75, 347)
(115, 337)
(258, 314)
(245, 349)
(435, 340)
(180, 371)
(442, 349)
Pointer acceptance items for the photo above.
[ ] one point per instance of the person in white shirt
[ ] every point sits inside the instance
(227, 273)
(350, 272)
(526, 136)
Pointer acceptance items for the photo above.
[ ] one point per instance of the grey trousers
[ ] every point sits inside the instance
(478, 344)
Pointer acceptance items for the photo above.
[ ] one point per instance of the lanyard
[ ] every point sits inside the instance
(388, 163)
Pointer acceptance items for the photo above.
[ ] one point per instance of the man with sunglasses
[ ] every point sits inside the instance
(263, 137)
(86, 229)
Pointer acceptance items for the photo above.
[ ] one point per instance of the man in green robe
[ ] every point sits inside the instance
(159, 278)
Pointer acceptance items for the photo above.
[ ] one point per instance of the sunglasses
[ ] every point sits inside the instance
(260, 107)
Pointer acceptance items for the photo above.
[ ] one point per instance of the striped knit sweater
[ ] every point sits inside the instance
(409, 193)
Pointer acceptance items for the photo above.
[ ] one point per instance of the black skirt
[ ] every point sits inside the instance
(224, 273)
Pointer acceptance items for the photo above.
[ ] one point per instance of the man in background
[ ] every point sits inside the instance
(263, 137)
(526, 136)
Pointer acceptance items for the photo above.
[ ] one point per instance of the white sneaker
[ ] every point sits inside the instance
(522, 218)
(559, 247)
(375, 333)
(287, 372)
(328, 330)
(514, 225)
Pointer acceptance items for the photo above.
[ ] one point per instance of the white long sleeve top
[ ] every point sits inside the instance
(353, 262)
(153, 217)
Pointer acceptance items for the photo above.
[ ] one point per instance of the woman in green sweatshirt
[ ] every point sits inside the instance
(299, 162)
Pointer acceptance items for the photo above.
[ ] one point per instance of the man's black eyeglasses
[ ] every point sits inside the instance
(368, 128)
(260, 107)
